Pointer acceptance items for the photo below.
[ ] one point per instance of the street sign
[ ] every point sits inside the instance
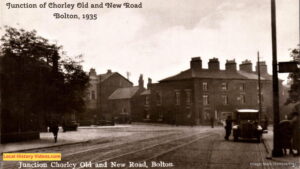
(287, 67)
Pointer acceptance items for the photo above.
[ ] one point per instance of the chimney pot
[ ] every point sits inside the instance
(109, 71)
(92, 72)
(246, 66)
(141, 81)
(230, 65)
(214, 64)
(149, 83)
(263, 67)
(196, 63)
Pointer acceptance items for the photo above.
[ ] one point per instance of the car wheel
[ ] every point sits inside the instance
(259, 139)
(235, 136)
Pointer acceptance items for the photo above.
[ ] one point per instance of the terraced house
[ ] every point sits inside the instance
(101, 87)
(198, 95)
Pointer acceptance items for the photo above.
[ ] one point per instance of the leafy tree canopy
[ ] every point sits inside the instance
(37, 78)
(294, 92)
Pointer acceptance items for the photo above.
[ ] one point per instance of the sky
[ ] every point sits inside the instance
(159, 39)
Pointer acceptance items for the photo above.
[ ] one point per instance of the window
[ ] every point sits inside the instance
(242, 87)
(262, 98)
(242, 99)
(158, 99)
(204, 85)
(177, 95)
(205, 100)
(188, 96)
(93, 95)
(147, 100)
(225, 99)
(224, 86)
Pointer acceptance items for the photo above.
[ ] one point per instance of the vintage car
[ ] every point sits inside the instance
(246, 125)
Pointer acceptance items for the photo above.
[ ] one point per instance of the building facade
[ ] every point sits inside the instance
(126, 104)
(198, 95)
(101, 87)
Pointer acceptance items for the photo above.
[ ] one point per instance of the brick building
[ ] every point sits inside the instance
(125, 103)
(197, 95)
(101, 87)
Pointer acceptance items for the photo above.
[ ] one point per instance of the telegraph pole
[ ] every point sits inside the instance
(259, 90)
(276, 152)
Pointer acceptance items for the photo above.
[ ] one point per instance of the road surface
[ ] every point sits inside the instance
(158, 147)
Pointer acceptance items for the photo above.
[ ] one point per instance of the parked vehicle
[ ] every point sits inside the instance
(123, 119)
(70, 126)
(104, 122)
(246, 125)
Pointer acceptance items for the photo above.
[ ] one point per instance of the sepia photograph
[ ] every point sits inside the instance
(155, 84)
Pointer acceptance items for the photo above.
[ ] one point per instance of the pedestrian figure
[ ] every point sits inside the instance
(285, 135)
(228, 127)
(212, 122)
(54, 129)
(266, 123)
(295, 122)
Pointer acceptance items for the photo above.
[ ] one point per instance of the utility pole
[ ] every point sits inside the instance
(276, 152)
(259, 90)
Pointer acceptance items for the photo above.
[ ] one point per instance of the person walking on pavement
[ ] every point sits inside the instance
(212, 122)
(54, 129)
(228, 127)
(295, 122)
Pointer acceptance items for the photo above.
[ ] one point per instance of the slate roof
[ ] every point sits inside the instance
(221, 74)
(124, 93)
(146, 92)
(103, 77)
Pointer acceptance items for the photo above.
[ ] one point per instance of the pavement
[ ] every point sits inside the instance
(268, 143)
(209, 152)
(213, 153)
(86, 134)
(64, 138)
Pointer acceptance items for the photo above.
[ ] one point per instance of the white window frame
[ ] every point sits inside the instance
(225, 99)
(224, 86)
(188, 96)
(204, 86)
(243, 99)
(205, 99)
(242, 87)
(146, 100)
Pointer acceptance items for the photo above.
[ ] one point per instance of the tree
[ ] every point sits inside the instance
(37, 79)
(294, 92)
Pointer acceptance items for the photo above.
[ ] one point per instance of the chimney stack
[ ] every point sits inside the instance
(263, 67)
(230, 65)
(109, 71)
(214, 64)
(141, 81)
(92, 72)
(149, 83)
(246, 66)
(196, 63)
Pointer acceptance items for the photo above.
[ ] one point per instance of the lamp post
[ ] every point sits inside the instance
(276, 152)
(259, 90)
